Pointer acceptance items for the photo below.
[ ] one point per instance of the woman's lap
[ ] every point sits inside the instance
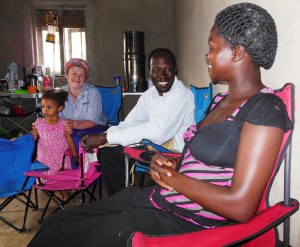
(108, 222)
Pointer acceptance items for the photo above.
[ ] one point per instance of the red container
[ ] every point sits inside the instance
(46, 83)
(18, 110)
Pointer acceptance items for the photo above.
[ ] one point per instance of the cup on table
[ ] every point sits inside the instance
(31, 89)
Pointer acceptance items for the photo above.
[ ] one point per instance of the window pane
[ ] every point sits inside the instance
(78, 42)
(75, 43)
(50, 53)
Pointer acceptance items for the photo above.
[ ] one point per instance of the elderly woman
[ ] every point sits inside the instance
(83, 110)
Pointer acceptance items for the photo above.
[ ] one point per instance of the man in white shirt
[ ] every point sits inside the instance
(161, 114)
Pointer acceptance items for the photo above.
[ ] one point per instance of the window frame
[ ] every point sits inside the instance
(38, 36)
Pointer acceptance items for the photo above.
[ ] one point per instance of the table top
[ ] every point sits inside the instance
(132, 93)
(22, 95)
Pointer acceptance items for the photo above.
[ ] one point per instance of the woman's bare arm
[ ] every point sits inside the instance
(69, 125)
(71, 144)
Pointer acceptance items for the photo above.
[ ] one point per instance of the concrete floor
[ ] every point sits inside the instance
(15, 212)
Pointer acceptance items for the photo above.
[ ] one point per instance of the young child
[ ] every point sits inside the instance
(53, 141)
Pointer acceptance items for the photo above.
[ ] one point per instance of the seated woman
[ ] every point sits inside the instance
(83, 110)
(227, 159)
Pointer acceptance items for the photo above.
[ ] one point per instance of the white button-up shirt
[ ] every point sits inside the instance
(157, 118)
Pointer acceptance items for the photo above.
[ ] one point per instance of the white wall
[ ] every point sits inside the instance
(193, 21)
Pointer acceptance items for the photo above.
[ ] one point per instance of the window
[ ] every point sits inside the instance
(70, 39)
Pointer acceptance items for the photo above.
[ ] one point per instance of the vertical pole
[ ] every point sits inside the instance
(126, 170)
(287, 181)
(53, 73)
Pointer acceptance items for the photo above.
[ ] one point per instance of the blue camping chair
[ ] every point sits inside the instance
(111, 103)
(202, 98)
(15, 160)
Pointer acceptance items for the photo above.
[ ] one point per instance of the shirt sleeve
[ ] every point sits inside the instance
(268, 110)
(94, 110)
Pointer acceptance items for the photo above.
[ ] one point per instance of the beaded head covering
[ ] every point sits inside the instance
(252, 27)
(80, 63)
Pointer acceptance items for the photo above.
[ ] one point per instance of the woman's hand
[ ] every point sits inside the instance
(33, 126)
(162, 166)
(68, 126)
(90, 141)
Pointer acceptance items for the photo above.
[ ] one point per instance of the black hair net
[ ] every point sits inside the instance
(252, 27)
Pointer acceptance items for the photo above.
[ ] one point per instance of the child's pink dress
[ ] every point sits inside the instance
(51, 146)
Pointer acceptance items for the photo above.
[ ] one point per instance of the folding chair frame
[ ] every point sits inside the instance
(28, 204)
(83, 189)
(17, 186)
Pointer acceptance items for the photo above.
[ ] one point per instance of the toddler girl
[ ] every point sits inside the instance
(53, 141)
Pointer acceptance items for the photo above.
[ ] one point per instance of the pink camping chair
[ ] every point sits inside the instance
(261, 229)
(79, 181)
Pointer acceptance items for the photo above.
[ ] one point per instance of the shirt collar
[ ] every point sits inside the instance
(83, 94)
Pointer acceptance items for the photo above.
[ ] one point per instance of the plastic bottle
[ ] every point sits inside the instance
(20, 84)
(46, 82)
(117, 79)
(40, 86)
(132, 86)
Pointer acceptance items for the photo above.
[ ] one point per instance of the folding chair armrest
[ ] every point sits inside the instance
(60, 176)
(159, 148)
(133, 153)
(221, 236)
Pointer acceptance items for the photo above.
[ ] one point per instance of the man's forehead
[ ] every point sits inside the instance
(156, 57)
(160, 54)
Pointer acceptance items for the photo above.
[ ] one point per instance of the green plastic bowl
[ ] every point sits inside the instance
(20, 91)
